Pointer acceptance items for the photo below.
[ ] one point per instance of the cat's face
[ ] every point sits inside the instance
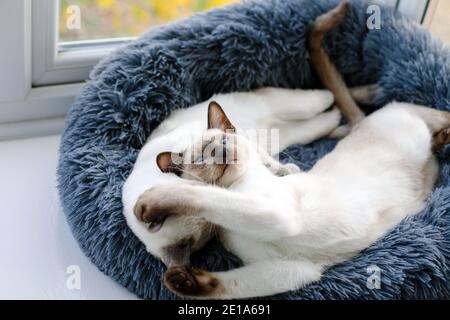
(220, 157)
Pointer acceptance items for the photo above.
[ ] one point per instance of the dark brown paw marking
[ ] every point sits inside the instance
(151, 212)
(191, 282)
(440, 139)
(158, 203)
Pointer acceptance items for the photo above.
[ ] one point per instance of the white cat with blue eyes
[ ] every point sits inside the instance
(299, 115)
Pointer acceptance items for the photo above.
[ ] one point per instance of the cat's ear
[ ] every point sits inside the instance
(217, 119)
(170, 162)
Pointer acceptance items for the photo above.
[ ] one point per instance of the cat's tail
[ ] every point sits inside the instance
(325, 69)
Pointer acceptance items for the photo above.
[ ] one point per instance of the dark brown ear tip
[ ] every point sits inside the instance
(344, 6)
(214, 104)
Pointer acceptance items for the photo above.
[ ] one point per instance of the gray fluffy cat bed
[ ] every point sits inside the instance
(242, 47)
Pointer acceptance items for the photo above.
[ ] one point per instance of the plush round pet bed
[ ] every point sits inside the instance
(242, 47)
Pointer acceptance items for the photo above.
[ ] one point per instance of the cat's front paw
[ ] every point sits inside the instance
(155, 205)
(192, 282)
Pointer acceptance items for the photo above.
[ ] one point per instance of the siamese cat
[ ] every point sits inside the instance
(288, 229)
(301, 116)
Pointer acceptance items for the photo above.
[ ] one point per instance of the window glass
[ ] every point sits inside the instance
(100, 19)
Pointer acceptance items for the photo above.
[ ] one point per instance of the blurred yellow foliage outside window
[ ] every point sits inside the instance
(101, 19)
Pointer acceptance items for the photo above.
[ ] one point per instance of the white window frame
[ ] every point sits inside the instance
(25, 110)
(38, 82)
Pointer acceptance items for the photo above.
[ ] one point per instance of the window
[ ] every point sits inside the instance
(437, 19)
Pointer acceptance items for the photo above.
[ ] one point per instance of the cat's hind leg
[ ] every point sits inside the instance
(295, 104)
(257, 279)
(365, 94)
(310, 130)
(276, 167)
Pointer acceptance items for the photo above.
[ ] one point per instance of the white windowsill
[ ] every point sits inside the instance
(36, 244)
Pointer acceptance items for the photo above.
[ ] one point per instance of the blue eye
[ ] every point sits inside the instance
(225, 141)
